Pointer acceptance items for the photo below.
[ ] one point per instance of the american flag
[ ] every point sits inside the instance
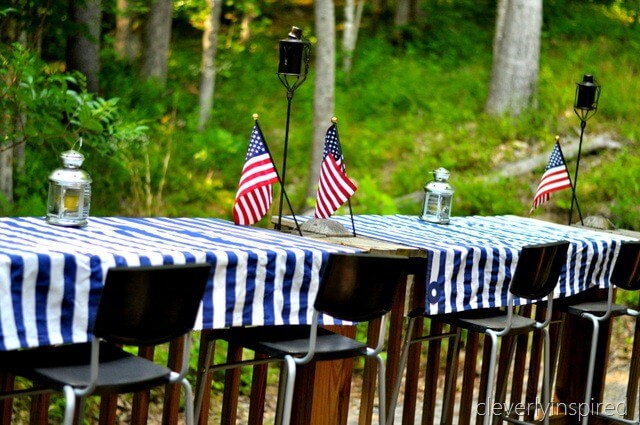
(254, 195)
(334, 187)
(555, 178)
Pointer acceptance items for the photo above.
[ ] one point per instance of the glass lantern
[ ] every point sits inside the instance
(69, 192)
(438, 195)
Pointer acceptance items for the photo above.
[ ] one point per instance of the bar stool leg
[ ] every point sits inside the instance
(202, 380)
(490, 377)
(401, 366)
(546, 371)
(590, 371)
(381, 390)
(451, 377)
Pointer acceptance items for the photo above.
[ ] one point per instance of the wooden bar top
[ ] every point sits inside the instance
(341, 236)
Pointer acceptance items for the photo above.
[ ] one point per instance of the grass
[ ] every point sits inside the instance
(405, 112)
(406, 108)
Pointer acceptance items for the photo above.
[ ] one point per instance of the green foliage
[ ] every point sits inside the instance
(413, 102)
(50, 112)
(621, 188)
(407, 107)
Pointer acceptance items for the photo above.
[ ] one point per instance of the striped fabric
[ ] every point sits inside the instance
(471, 260)
(51, 276)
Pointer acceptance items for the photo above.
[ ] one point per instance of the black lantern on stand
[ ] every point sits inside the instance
(295, 54)
(585, 106)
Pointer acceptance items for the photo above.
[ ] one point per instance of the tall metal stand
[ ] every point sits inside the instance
(284, 158)
(574, 200)
(585, 105)
(294, 64)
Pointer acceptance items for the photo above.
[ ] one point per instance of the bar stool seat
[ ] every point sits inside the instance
(353, 288)
(139, 306)
(535, 276)
(625, 275)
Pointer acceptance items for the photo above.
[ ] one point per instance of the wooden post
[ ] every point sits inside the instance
(172, 391)
(6, 406)
(140, 404)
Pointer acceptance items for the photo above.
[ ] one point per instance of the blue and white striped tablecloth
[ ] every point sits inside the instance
(51, 276)
(471, 260)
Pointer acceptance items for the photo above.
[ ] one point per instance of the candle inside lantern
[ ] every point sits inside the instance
(69, 192)
(438, 196)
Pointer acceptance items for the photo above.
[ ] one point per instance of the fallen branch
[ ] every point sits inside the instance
(537, 162)
(569, 149)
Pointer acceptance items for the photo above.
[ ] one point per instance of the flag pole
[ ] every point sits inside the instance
(284, 158)
(334, 120)
(573, 188)
(583, 124)
(283, 192)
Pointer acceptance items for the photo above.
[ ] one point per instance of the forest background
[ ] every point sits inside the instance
(414, 99)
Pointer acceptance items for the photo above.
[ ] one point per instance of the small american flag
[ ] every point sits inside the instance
(555, 178)
(254, 195)
(334, 187)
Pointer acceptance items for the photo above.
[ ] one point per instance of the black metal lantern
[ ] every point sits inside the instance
(584, 105)
(587, 96)
(293, 68)
(294, 59)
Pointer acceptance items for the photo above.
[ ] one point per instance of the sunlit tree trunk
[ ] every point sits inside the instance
(324, 92)
(516, 61)
(155, 39)
(127, 45)
(245, 25)
(208, 67)
(83, 46)
(352, 17)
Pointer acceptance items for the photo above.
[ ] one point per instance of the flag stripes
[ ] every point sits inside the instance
(555, 178)
(334, 187)
(255, 193)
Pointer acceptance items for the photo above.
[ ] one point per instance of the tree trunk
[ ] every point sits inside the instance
(245, 25)
(516, 62)
(403, 12)
(501, 11)
(156, 38)
(324, 92)
(208, 67)
(6, 172)
(379, 10)
(127, 45)
(12, 152)
(83, 47)
(352, 17)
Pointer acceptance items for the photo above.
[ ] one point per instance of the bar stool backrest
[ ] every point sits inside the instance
(538, 269)
(150, 305)
(626, 271)
(360, 287)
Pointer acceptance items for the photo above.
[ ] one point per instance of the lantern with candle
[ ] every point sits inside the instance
(438, 197)
(69, 192)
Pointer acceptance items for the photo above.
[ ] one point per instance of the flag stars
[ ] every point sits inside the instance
(256, 146)
(332, 145)
(334, 187)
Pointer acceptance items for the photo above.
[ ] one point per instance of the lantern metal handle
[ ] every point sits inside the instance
(79, 140)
